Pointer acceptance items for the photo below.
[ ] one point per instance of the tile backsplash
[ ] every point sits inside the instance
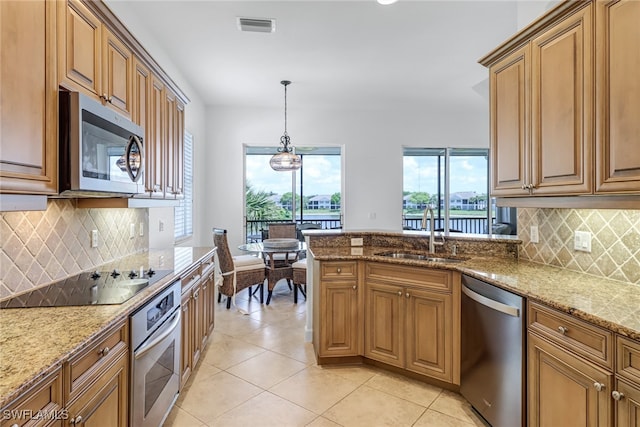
(39, 247)
(615, 240)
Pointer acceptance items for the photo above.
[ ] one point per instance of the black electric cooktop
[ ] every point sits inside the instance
(97, 288)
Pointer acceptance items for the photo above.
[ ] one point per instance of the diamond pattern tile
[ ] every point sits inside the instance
(41, 247)
(615, 242)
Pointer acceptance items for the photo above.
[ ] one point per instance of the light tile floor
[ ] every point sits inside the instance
(258, 371)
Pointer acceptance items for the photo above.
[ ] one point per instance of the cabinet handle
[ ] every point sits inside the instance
(195, 295)
(15, 425)
(104, 351)
(524, 187)
(106, 98)
(408, 295)
(617, 396)
(399, 293)
(339, 270)
(598, 386)
(76, 420)
(563, 330)
(355, 287)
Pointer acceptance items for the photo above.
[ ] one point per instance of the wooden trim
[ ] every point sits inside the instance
(559, 12)
(572, 202)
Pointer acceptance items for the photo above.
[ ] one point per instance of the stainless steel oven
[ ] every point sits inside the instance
(155, 366)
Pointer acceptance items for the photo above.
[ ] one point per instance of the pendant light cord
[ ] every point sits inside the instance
(285, 83)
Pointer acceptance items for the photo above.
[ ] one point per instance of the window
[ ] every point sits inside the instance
(454, 182)
(184, 211)
(269, 195)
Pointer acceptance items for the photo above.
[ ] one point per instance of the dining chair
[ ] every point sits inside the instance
(249, 270)
(299, 279)
(283, 230)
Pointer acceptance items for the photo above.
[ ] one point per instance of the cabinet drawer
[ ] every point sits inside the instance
(338, 270)
(83, 369)
(585, 339)
(628, 358)
(190, 276)
(440, 280)
(44, 398)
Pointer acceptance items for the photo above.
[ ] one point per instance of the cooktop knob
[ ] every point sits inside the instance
(115, 273)
(95, 275)
(133, 274)
(150, 272)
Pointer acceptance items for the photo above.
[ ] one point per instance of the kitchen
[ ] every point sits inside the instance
(218, 125)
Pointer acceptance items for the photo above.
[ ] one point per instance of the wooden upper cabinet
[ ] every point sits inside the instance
(79, 48)
(117, 73)
(169, 143)
(509, 95)
(562, 107)
(28, 98)
(617, 97)
(92, 59)
(155, 146)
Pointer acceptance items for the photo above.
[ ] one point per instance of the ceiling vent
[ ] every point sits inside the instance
(257, 25)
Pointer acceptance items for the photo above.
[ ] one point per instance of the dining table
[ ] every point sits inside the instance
(278, 267)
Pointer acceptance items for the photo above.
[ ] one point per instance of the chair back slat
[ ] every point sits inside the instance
(224, 254)
(282, 230)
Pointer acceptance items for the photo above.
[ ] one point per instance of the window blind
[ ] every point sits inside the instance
(184, 211)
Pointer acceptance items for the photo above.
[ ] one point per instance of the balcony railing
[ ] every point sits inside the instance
(473, 225)
(254, 228)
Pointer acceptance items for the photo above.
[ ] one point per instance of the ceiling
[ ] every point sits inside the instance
(353, 54)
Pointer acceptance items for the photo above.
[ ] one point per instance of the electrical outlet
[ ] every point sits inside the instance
(356, 241)
(582, 241)
(141, 229)
(132, 230)
(533, 234)
(160, 226)
(357, 251)
(94, 238)
(372, 215)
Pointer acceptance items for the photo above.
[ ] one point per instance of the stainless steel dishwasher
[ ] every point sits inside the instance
(492, 376)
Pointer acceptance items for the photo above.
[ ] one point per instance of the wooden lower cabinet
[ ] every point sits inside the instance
(45, 397)
(627, 404)
(105, 403)
(186, 339)
(564, 389)
(339, 317)
(410, 328)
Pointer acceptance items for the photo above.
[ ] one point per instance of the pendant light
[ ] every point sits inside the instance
(286, 159)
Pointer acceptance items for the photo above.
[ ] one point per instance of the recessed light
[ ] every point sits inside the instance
(386, 2)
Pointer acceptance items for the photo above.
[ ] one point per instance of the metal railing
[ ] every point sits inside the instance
(473, 225)
(254, 228)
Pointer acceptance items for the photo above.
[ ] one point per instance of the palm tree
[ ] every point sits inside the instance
(260, 206)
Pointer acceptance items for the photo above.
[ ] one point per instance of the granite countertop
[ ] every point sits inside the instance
(36, 341)
(608, 303)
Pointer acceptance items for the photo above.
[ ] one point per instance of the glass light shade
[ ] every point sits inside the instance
(285, 161)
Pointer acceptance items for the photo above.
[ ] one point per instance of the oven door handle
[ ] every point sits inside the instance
(144, 350)
(488, 302)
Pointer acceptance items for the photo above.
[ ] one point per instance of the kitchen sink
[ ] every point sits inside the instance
(419, 257)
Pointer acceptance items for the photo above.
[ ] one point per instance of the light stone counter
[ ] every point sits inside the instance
(35, 341)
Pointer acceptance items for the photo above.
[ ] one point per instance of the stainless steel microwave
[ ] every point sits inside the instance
(101, 151)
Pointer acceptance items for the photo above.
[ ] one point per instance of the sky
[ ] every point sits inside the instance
(468, 173)
(322, 174)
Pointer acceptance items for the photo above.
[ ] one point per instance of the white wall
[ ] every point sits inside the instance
(194, 123)
(372, 155)
(528, 11)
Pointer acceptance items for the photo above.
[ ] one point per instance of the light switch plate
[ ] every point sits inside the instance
(582, 241)
(132, 230)
(356, 241)
(533, 234)
(141, 229)
(94, 238)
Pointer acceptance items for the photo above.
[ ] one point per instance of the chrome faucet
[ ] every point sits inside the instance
(432, 238)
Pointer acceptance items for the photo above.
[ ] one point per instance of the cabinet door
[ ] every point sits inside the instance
(429, 333)
(141, 113)
(186, 337)
(155, 144)
(208, 295)
(117, 73)
(79, 51)
(628, 407)
(28, 98)
(561, 388)
(169, 143)
(44, 397)
(197, 315)
(339, 319)
(562, 105)
(384, 324)
(617, 97)
(105, 404)
(509, 94)
(178, 150)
